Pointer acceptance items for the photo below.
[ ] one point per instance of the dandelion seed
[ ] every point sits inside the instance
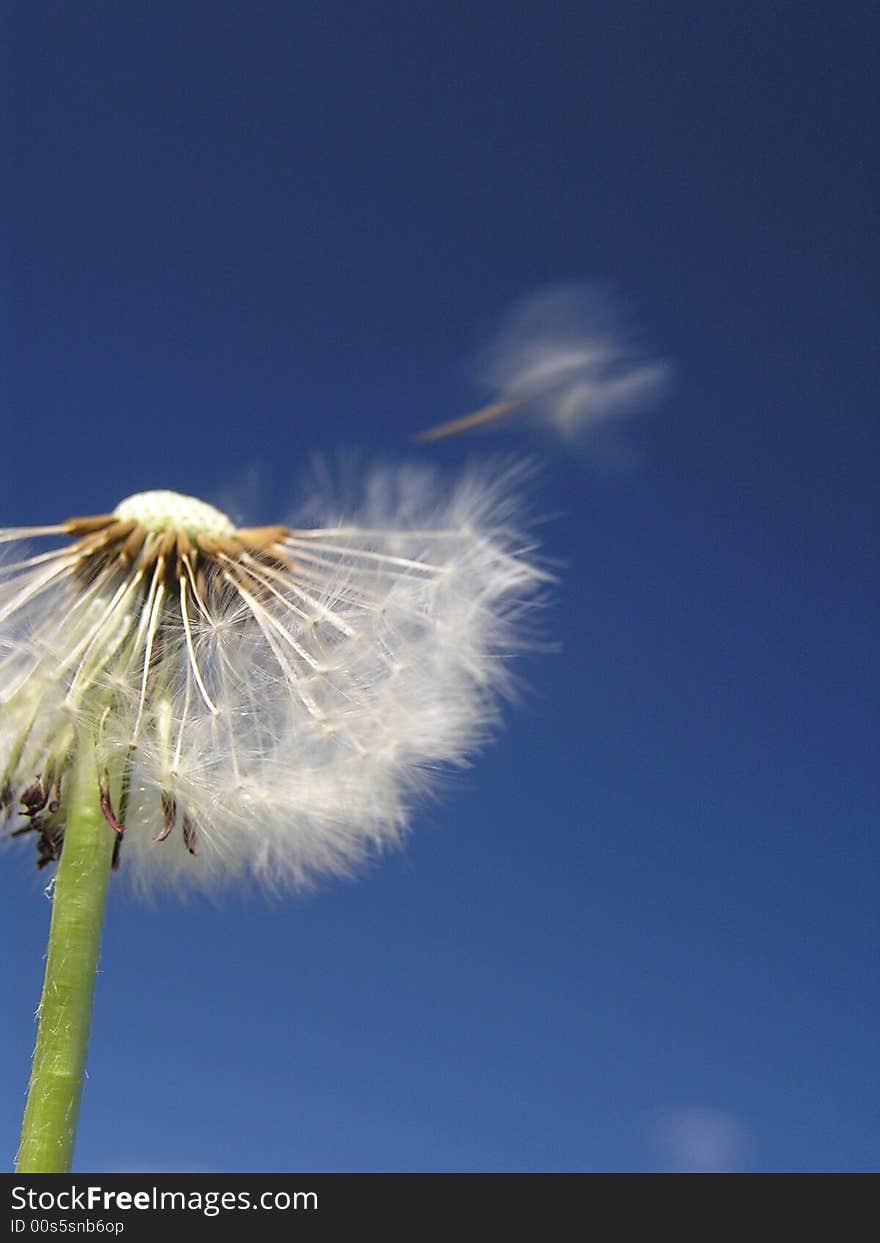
(261, 700)
(564, 358)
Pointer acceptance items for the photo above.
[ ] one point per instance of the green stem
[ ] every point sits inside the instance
(50, 1115)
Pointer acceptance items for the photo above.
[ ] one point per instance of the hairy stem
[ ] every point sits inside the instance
(65, 1013)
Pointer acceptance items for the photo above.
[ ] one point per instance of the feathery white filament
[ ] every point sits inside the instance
(187, 630)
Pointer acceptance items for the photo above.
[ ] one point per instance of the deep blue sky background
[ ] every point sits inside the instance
(641, 933)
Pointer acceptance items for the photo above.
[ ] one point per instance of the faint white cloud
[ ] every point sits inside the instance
(701, 1139)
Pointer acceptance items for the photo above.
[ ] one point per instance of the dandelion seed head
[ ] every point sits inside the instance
(265, 701)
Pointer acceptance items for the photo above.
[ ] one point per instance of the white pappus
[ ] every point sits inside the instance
(263, 701)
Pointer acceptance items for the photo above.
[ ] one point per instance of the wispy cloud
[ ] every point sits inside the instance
(567, 358)
(699, 1138)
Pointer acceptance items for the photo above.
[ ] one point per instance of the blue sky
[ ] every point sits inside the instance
(641, 932)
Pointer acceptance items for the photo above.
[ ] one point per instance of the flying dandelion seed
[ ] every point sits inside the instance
(264, 701)
(566, 359)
